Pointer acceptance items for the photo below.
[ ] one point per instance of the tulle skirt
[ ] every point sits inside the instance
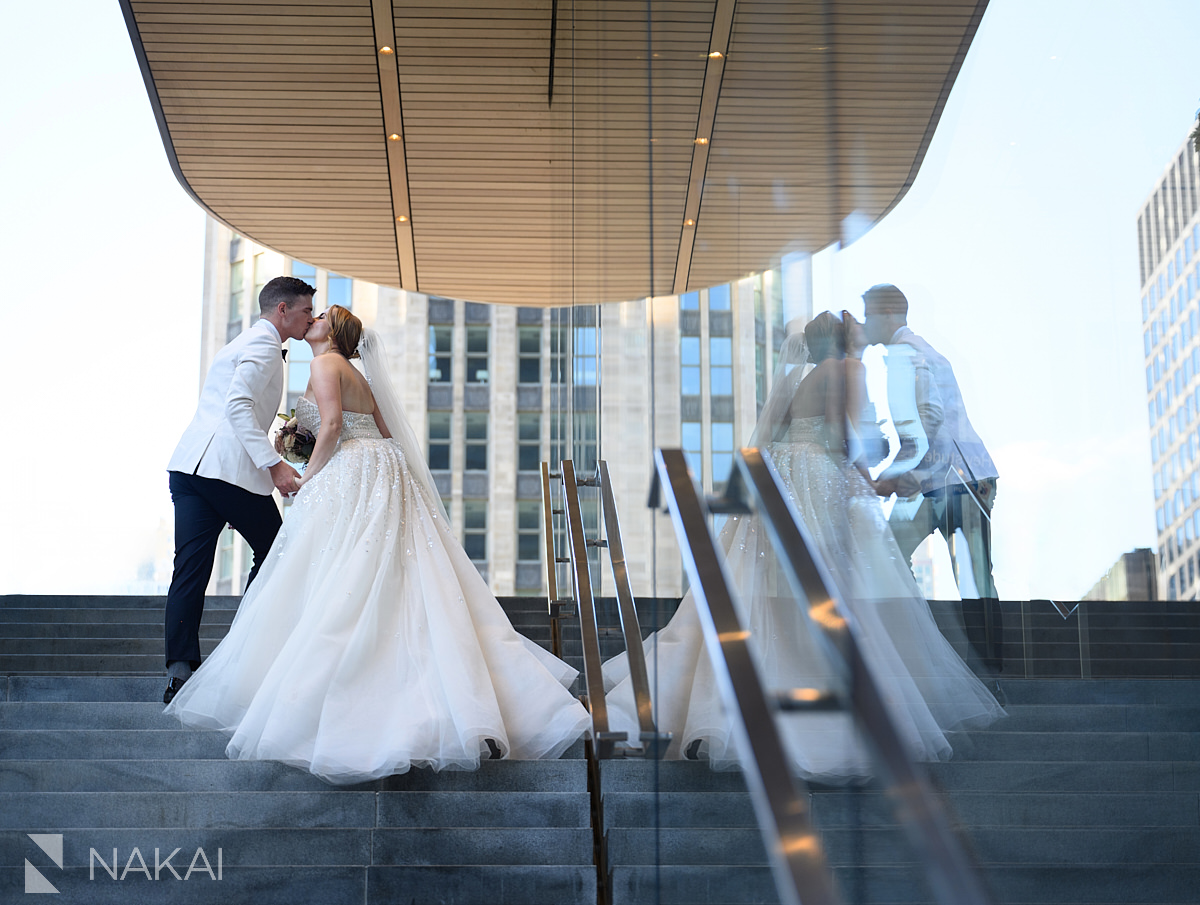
(926, 686)
(369, 644)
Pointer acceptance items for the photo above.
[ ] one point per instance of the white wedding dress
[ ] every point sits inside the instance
(927, 687)
(369, 643)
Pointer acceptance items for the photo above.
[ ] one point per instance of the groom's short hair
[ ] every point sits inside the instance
(284, 289)
(886, 299)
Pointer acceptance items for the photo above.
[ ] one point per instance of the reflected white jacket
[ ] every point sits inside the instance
(953, 443)
(227, 438)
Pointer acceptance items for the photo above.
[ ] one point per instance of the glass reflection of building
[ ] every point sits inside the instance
(494, 390)
(1169, 253)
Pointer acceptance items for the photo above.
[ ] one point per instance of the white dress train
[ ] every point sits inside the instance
(927, 687)
(369, 644)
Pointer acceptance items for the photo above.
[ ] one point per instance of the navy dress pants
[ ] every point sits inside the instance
(203, 507)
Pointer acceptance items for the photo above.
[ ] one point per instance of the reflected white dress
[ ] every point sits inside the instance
(928, 688)
(369, 643)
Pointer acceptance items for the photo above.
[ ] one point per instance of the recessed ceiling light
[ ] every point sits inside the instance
(386, 49)
(701, 141)
(393, 137)
(402, 219)
(689, 222)
(715, 55)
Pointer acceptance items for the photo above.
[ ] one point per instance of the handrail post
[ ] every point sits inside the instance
(796, 855)
(554, 606)
(654, 743)
(585, 603)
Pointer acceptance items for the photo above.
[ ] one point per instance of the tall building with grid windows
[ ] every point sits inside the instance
(494, 390)
(1169, 254)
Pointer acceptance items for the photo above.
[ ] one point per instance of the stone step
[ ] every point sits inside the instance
(1098, 718)
(242, 847)
(678, 809)
(64, 811)
(14, 649)
(833, 809)
(12, 617)
(54, 715)
(1116, 668)
(1030, 885)
(637, 775)
(1075, 746)
(127, 744)
(292, 846)
(365, 846)
(34, 633)
(1137, 692)
(83, 688)
(516, 884)
(261, 885)
(91, 664)
(642, 775)
(110, 744)
(1067, 776)
(481, 885)
(106, 601)
(692, 884)
(60, 811)
(889, 845)
(222, 775)
(998, 808)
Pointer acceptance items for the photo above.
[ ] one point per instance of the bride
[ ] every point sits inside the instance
(368, 643)
(927, 687)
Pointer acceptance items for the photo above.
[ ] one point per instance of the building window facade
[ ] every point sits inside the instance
(475, 529)
(478, 342)
(439, 441)
(476, 424)
(441, 340)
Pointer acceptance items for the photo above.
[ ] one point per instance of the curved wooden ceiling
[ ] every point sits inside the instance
(668, 146)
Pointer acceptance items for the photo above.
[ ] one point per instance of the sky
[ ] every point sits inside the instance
(1016, 247)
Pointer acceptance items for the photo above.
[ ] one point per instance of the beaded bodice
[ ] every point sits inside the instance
(811, 429)
(355, 425)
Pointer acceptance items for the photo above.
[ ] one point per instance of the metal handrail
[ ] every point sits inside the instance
(654, 743)
(556, 607)
(952, 873)
(551, 561)
(593, 678)
(780, 800)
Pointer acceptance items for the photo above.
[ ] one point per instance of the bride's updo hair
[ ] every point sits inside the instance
(826, 337)
(344, 329)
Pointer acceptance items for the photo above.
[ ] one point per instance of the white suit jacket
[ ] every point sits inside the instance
(953, 442)
(227, 438)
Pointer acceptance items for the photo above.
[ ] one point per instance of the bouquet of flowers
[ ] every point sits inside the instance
(293, 442)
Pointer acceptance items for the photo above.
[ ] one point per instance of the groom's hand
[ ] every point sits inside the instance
(286, 478)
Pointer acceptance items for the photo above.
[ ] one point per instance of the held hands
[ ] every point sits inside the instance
(885, 488)
(286, 478)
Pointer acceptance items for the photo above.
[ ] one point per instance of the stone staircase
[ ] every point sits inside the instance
(85, 752)
(1088, 793)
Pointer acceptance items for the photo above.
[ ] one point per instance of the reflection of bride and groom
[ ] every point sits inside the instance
(367, 642)
(811, 419)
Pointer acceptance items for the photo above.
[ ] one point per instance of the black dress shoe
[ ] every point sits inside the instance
(494, 752)
(172, 689)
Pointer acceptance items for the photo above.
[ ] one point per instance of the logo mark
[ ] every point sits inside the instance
(52, 845)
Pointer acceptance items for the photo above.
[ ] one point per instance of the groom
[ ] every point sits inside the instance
(955, 478)
(224, 468)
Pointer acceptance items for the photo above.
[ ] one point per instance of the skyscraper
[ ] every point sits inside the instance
(1169, 255)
